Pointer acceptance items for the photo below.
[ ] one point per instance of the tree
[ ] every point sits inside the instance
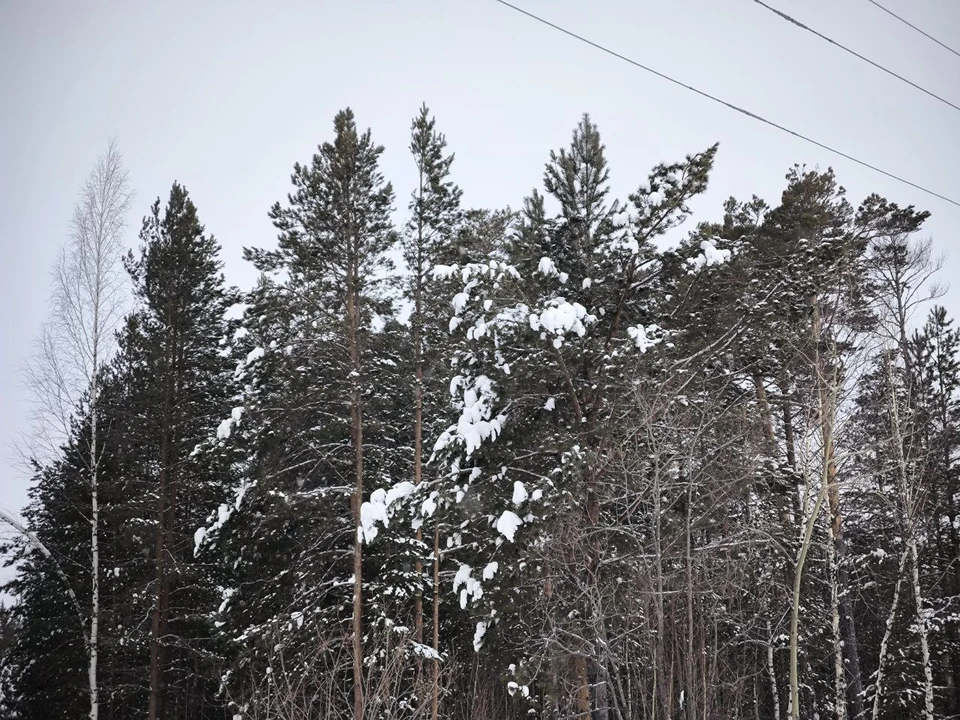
(546, 347)
(182, 381)
(76, 342)
(53, 551)
(434, 213)
(334, 232)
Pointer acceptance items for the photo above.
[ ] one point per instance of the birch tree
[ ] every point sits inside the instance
(78, 339)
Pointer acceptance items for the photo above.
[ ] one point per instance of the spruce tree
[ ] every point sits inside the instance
(53, 590)
(183, 382)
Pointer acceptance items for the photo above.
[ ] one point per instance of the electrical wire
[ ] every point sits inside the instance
(737, 108)
(809, 29)
(910, 24)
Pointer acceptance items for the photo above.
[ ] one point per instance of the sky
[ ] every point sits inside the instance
(224, 97)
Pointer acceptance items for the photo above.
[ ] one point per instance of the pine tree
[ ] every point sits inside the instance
(544, 359)
(434, 209)
(333, 234)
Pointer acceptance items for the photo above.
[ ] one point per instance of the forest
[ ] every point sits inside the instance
(488, 463)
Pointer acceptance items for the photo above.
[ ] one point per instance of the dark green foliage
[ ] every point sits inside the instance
(618, 441)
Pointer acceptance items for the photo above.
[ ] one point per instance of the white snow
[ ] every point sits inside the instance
(478, 635)
(223, 430)
(459, 302)
(547, 267)
(471, 587)
(376, 509)
(370, 514)
(429, 506)
(254, 355)
(442, 272)
(710, 255)
(513, 687)
(508, 523)
(641, 338)
(226, 426)
(476, 423)
(519, 493)
(224, 511)
(399, 491)
(425, 651)
(561, 317)
(550, 404)
(490, 570)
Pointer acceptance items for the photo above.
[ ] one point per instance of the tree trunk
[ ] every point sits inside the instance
(887, 632)
(794, 706)
(417, 329)
(840, 680)
(94, 639)
(909, 529)
(922, 628)
(583, 687)
(356, 436)
(691, 659)
(436, 623)
(158, 626)
(772, 674)
(826, 397)
(158, 621)
(849, 653)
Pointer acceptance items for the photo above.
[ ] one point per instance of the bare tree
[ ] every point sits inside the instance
(903, 272)
(76, 341)
(909, 506)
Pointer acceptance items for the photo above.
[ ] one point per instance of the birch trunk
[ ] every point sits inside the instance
(924, 633)
(887, 632)
(772, 674)
(909, 528)
(840, 681)
(827, 400)
(77, 339)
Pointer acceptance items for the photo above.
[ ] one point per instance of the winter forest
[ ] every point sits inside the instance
(487, 463)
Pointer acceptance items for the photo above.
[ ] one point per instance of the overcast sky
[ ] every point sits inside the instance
(226, 96)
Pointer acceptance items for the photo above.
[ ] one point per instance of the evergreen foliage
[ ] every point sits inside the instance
(563, 462)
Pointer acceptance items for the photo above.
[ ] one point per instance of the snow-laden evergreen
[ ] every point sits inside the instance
(593, 457)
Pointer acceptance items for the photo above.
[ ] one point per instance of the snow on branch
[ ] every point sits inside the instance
(710, 255)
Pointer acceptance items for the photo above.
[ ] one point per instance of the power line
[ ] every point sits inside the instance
(809, 29)
(715, 99)
(910, 24)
